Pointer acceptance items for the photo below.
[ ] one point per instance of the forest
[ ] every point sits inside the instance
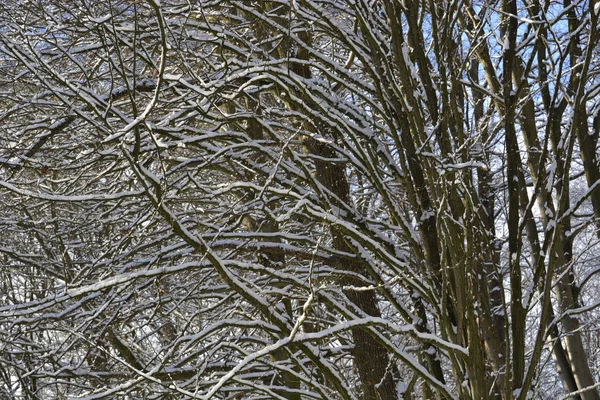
(299, 199)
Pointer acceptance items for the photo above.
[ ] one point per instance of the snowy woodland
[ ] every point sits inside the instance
(309, 199)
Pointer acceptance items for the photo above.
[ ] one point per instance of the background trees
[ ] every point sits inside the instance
(308, 199)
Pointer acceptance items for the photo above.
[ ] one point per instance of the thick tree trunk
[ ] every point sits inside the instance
(377, 371)
(573, 341)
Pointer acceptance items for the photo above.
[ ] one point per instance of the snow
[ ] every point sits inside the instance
(100, 20)
(70, 198)
(172, 77)
(203, 177)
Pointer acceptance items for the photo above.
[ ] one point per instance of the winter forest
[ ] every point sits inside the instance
(308, 199)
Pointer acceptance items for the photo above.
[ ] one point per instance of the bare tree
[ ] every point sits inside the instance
(301, 199)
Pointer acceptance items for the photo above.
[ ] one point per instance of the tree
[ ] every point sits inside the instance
(299, 199)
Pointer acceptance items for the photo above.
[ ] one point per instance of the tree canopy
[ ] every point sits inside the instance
(307, 199)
